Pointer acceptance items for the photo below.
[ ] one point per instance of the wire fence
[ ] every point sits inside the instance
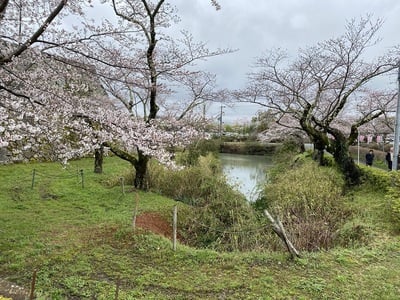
(79, 175)
(250, 230)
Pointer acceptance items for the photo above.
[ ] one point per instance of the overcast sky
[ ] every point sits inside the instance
(254, 26)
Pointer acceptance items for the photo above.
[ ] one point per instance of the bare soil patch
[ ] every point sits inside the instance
(155, 223)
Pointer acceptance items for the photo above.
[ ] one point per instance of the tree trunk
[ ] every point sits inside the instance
(3, 6)
(141, 171)
(139, 162)
(98, 160)
(318, 155)
(345, 162)
(319, 151)
(339, 147)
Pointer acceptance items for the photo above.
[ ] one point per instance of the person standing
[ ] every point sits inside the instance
(369, 158)
(389, 159)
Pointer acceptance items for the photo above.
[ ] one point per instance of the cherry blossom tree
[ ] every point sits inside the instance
(48, 100)
(70, 118)
(78, 131)
(324, 86)
(151, 62)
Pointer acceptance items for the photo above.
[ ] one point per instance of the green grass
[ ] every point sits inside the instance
(81, 242)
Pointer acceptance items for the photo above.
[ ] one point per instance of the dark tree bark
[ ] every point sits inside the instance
(339, 147)
(319, 151)
(3, 6)
(139, 162)
(98, 160)
(141, 171)
(341, 154)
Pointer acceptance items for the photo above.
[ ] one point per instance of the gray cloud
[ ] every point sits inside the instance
(253, 26)
(257, 25)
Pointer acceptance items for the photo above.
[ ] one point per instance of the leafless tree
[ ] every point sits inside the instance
(199, 90)
(326, 84)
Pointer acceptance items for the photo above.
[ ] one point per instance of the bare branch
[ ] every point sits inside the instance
(35, 35)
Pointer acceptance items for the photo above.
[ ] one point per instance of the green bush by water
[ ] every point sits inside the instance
(309, 201)
(218, 217)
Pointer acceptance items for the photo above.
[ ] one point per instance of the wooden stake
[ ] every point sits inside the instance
(33, 283)
(33, 178)
(174, 227)
(135, 211)
(117, 289)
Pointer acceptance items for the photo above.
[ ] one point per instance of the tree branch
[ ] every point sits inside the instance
(277, 227)
(36, 35)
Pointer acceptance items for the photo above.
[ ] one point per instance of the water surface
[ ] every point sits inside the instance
(246, 172)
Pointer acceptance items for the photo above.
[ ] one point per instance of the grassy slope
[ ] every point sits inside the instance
(82, 243)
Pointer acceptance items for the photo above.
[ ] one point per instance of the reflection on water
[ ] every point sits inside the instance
(245, 172)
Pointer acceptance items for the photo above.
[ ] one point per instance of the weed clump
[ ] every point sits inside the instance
(393, 197)
(217, 217)
(309, 201)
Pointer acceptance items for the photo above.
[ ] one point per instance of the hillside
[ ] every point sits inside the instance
(75, 229)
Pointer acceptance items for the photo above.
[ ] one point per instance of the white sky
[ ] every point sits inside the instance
(253, 26)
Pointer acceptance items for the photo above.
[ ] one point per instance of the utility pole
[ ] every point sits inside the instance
(397, 127)
(220, 121)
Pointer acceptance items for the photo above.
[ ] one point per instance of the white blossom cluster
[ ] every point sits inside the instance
(61, 130)
(49, 117)
(52, 105)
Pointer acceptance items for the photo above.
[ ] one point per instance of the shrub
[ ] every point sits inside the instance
(393, 196)
(285, 159)
(395, 207)
(355, 233)
(375, 178)
(223, 221)
(127, 176)
(387, 182)
(309, 201)
(187, 184)
(190, 156)
(218, 217)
